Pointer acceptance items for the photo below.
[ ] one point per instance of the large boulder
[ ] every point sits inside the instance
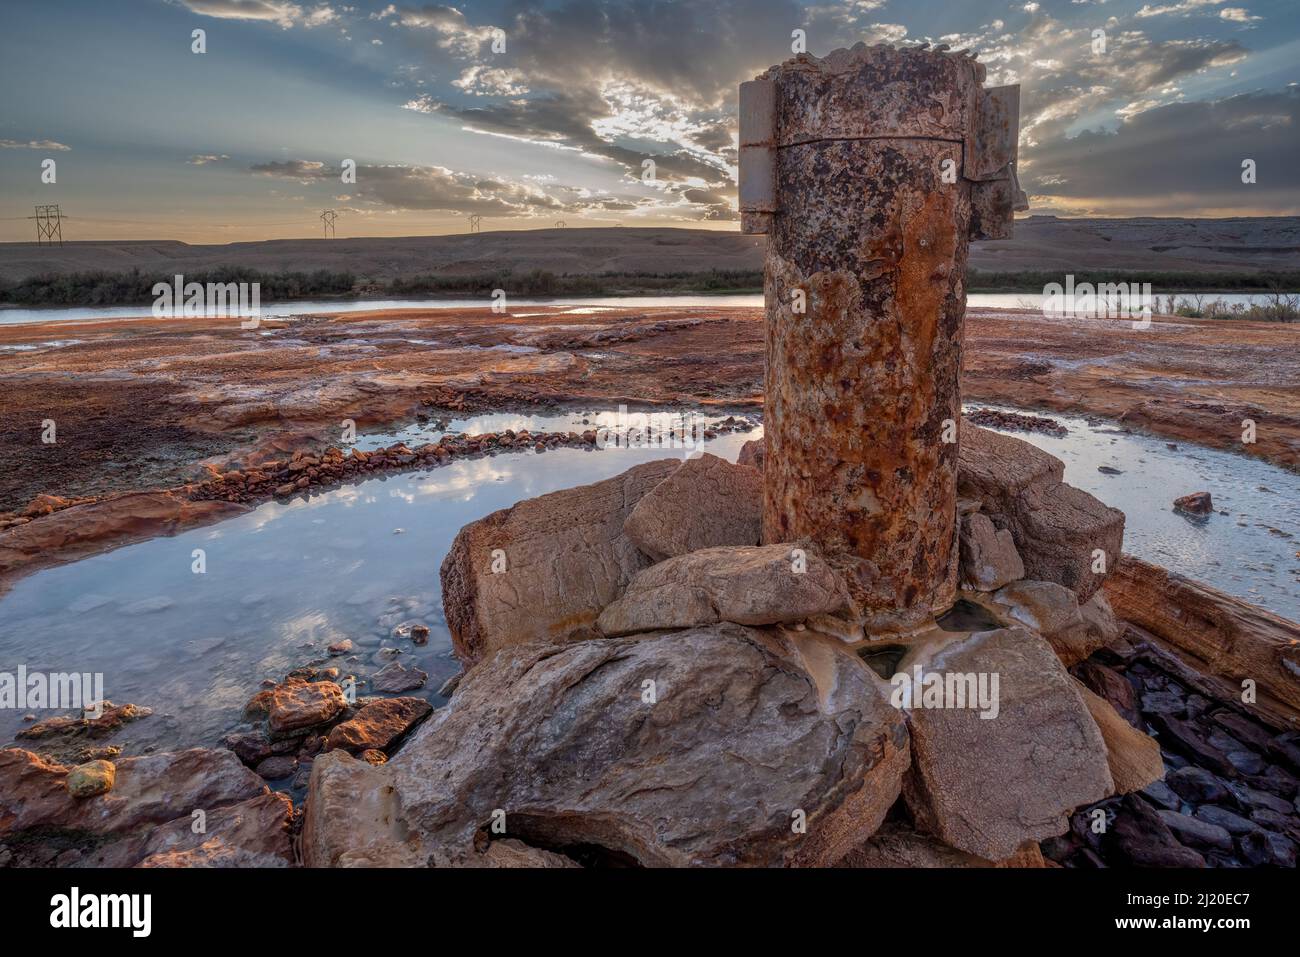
(993, 469)
(1057, 528)
(1062, 533)
(754, 585)
(753, 453)
(987, 785)
(1053, 611)
(711, 746)
(896, 845)
(707, 502)
(543, 569)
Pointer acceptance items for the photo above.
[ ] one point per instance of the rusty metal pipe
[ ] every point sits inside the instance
(870, 170)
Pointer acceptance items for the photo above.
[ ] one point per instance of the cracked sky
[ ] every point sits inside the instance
(532, 113)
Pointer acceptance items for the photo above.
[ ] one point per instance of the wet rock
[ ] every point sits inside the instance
(1194, 830)
(1060, 530)
(985, 786)
(755, 585)
(989, 558)
(297, 706)
(1113, 687)
(378, 725)
(1243, 729)
(110, 721)
(1282, 850)
(1197, 785)
(450, 685)
(1222, 817)
(394, 678)
(340, 647)
(1187, 739)
(1261, 800)
(277, 768)
(252, 833)
(1198, 503)
(1138, 837)
(1162, 795)
(1133, 757)
(741, 729)
(706, 503)
(753, 454)
(88, 780)
(560, 559)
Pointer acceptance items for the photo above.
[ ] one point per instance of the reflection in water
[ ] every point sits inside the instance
(282, 583)
(1250, 552)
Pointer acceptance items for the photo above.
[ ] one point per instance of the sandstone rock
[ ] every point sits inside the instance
(748, 728)
(1228, 637)
(994, 469)
(1043, 606)
(277, 768)
(985, 786)
(753, 453)
(378, 725)
(707, 502)
(251, 747)
(147, 791)
(394, 678)
(1058, 528)
(340, 647)
(1133, 757)
(252, 833)
(1198, 503)
(565, 558)
(87, 780)
(752, 585)
(299, 705)
(989, 558)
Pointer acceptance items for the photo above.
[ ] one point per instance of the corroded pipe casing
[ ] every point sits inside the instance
(870, 179)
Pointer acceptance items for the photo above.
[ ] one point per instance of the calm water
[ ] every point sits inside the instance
(289, 578)
(1026, 300)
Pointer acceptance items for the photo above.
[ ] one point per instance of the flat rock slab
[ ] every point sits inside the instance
(994, 469)
(559, 559)
(987, 785)
(395, 677)
(707, 502)
(714, 746)
(1060, 530)
(755, 585)
(302, 704)
(253, 833)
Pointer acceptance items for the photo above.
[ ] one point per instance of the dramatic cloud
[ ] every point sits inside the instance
(1181, 155)
(280, 12)
(395, 187)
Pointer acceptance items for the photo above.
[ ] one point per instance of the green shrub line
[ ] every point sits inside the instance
(103, 288)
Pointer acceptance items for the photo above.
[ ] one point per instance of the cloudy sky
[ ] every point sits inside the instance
(529, 113)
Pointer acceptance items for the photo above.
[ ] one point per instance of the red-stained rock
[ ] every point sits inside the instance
(301, 704)
(378, 725)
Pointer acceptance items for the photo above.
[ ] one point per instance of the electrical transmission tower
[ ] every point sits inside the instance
(49, 224)
(560, 224)
(475, 223)
(328, 218)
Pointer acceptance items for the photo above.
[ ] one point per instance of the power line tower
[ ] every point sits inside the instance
(475, 223)
(49, 224)
(328, 218)
(560, 224)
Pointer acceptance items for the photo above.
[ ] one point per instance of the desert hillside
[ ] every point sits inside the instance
(1040, 243)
